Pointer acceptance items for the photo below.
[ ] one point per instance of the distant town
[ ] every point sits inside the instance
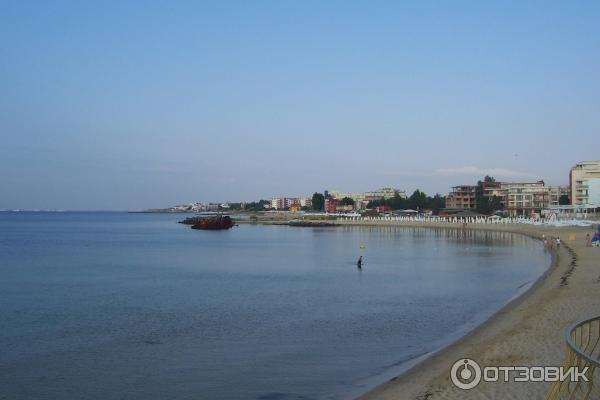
(487, 196)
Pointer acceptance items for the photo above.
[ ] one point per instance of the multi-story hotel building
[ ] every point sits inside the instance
(331, 204)
(525, 198)
(462, 197)
(517, 198)
(278, 203)
(555, 193)
(584, 183)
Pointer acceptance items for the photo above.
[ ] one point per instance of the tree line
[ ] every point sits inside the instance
(416, 201)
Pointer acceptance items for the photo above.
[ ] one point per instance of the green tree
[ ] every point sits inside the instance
(481, 202)
(417, 200)
(436, 203)
(376, 203)
(485, 204)
(256, 206)
(347, 201)
(397, 202)
(318, 202)
(496, 203)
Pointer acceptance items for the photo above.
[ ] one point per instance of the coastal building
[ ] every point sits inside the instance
(278, 203)
(305, 202)
(516, 198)
(359, 197)
(356, 196)
(344, 208)
(525, 198)
(555, 193)
(212, 207)
(542, 196)
(461, 197)
(196, 207)
(288, 202)
(362, 205)
(331, 204)
(384, 194)
(584, 183)
(495, 189)
(297, 204)
(282, 203)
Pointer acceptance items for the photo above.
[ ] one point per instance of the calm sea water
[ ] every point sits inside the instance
(135, 306)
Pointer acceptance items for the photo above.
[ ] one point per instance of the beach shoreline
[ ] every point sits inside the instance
(527, 330)
(416, 362)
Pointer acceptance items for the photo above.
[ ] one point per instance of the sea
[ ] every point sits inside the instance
(114, 305)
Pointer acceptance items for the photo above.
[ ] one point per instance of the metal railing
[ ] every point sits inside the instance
(583, 350)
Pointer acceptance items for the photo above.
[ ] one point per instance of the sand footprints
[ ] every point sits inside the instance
(564, 279)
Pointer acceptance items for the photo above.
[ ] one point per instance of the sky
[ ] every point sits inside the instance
(130, 105)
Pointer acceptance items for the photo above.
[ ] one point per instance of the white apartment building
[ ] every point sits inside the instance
(305, 202)
(278, 203)
(584, 183)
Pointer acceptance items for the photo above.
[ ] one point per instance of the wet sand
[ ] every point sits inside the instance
(528, 331)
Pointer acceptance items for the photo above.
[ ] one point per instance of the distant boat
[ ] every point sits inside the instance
(210, 223)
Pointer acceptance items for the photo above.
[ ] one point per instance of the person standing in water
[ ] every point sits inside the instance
(359, 262)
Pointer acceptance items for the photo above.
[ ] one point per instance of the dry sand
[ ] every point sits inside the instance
(528, 331)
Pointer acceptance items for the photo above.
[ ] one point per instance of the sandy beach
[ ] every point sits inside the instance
(530, 330)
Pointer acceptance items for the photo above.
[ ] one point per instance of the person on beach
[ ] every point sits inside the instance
(359, 262)
(557, 242)
(588, 240)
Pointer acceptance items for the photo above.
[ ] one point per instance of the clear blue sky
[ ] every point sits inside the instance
(127, 105)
